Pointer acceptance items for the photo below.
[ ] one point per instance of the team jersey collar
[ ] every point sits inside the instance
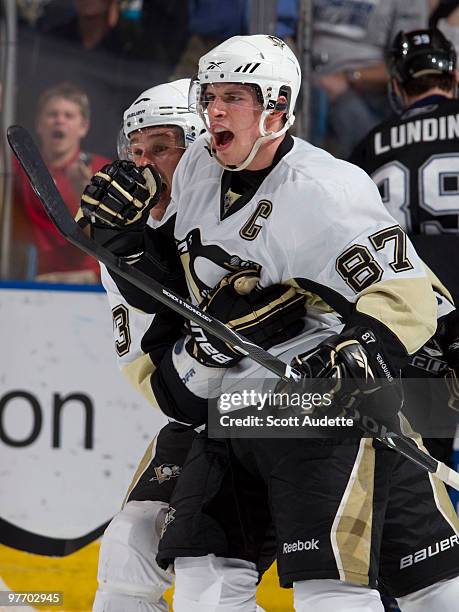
(238, 188)
(428, 100)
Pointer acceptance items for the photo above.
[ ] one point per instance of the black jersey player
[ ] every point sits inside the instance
(414, 160)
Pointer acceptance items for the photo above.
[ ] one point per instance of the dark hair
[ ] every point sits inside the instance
(421, 85)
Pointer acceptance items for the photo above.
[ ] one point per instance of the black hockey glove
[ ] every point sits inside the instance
(121, 195)
(361, 378)
(430, 360)
(266, 317)
(117, 203)
(448, 337)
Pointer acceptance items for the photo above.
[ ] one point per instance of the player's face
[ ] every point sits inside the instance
(162, 147)
(61, 127)
(233, 115)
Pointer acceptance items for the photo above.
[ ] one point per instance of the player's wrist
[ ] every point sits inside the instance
(125, 243)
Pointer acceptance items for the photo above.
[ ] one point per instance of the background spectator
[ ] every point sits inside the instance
(95, 48)
(350, 41)
(209, 23)
(445, 17)
(62, 121)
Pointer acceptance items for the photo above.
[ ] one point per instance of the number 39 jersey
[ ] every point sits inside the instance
(414, 161)
(316, 223)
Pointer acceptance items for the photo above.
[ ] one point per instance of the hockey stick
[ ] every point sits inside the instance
(30, 159)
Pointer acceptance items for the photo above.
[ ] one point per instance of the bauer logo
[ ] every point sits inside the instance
(430, 551)
(139, 112)
(300, 546)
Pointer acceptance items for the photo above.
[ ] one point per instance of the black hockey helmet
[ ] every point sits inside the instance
(420, 52)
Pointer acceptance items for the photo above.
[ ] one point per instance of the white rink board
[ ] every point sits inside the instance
(54, 344)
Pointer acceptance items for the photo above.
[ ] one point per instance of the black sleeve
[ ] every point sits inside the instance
(385, 345)
(159, 261)
(173, 397)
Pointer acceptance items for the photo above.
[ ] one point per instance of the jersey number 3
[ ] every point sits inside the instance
(121, 327)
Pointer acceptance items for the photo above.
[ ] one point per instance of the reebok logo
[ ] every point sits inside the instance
(298, 546)
(429, 551)
(215, 65)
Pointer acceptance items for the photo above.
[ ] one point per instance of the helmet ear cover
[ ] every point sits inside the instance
(281, 106)
(285, 92)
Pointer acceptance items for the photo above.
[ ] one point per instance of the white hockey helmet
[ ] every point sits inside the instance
(260, 60)
(165, 104)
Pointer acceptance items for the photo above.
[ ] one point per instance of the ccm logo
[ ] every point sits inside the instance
(299, 546)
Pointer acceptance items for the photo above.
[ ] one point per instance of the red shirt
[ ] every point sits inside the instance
(55, 253)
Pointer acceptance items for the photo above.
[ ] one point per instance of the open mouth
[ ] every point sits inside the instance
(57, 134)
(165, 192)
(222, 139)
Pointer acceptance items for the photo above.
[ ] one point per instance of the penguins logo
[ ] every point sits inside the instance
(205, 265)
(166, 472)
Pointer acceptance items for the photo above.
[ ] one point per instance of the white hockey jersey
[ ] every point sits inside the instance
(316, 223)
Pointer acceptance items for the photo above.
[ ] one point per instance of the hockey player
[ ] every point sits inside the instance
(157, 129)
(413, 159)
(256, 197)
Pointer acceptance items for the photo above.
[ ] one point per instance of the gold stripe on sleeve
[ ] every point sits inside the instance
(312, 299)
(407, 307)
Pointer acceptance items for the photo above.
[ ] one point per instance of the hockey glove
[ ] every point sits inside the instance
(361, 379)
(266, 317)
(121, 195)
(430, 360)
(448, 334)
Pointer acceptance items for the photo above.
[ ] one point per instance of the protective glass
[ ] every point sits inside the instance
(237, 95)
(122, 144)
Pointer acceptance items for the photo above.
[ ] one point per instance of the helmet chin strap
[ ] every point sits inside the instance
(265, 137)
